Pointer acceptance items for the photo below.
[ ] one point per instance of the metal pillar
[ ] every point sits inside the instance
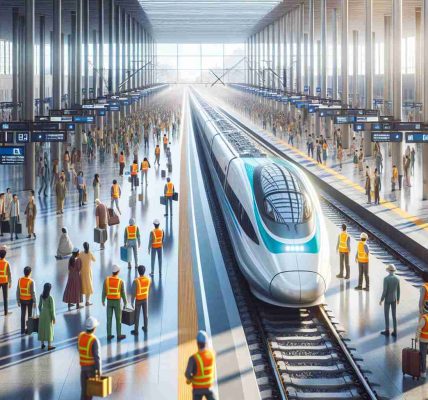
(21, 65)
(272, 52)
(311, 49)
(334, 44)
(355, 68)
(319, 65)
(344, 69)
(305, 60)
(292, 39)
(397, 10)
(425, 95)
(78, 55)
(299, 40)
(118, 48)
(324, 48)
(278, 53)
(15, 68)
(85, 33)
(387, 77)
(101, 46)
(418, 56)
(30, 164)
(94, 64)
(128, 53)
(72, 60)
(111, 29)
(369, 71)
(124, 52)
(42, 65)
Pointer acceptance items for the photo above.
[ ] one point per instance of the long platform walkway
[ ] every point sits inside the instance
(359, 312)
(404, 210)
(152, 366)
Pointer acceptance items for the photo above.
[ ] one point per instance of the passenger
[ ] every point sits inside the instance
(73, 289)
(165, 142)
(26, 297)
(60, 191)
(87, 258)
(46, 317)
(89, 349)
(96, 184)
(121, 163)
(114, 290)
(14, 216)
(362, 257)
(344, 247)
(422, 337)
(134, 174)
(115, 193)
(423, 299)
(157, 155)
(140, 294)
(81, 187)
(394, 179)
(200, 369)
(5, 279)
(65, 246)
(2, 212)
(101, 218)
(391, 296)
(155, 246)
(31, 212)
(132, 240)
(377, 186)
(145, 165)
(169, 192)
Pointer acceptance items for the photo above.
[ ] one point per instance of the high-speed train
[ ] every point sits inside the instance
(271, 210)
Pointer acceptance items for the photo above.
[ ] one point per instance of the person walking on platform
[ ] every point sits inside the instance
(140, 293)
(168, 191)
(423, 299)
(157, 155)
(165, 142)
(87, 258)
(47, 317)
(422, 337)
(5, 279)
(200, 369)
(73, 289)
(101, 217)
(60, 191)
(31, 212)
(362, 257)
(14, 216)
(114, 290)
(344, 248)
(115, 193)
(121, 163)
(394, 178)
(391, 296)
(310, 145)
(377, 186)
(25, 297)
(132, 240)
(89, 349)
(134, 174)
(155, 246)
(145, 165)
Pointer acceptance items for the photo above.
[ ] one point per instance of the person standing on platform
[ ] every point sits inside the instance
(368, 186)
(14, 216)
(65, 246)
(114, 290)
(310, 145)
(5, 279)
(157, 155)
(25, 297)
(422, 337)
(134, 174)
(44, 175)
(155, 246)
(60, 190)
(96, 184)
(101, 217)
(2, 212)
(47, 317)
(121, 163)
(394, 178)
(89, 349)
(7, 202)
(81, 187)
(168, 191)
(132, 240)
(115, 193)
(31, 212)
(377, 186)
(145, 165)
(412, 161)
(87, 258)
(165, 142)
(391, 296)
(362, 257)
(73, 289)
(423, 299)
(344, 248)
(140, 293)
(200, 369)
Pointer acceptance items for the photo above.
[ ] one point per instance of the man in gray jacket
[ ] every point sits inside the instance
(391, 296)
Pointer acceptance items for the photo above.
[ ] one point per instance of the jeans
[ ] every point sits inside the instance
(143, 176)
(26, 306)
(132, 244)
(363, 270)
(168, 202)
(13, 222)
(344, 263)
(115, 202)
(121, 167)
(80, 196)
(5, 287)
(43, 185)
(423, 348)
(134, 181)
(199, 394)
(88, 372)
(144, 305)
(157, 251)
(386, 308)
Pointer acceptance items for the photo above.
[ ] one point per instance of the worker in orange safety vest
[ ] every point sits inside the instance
(362, 257)
(5, 279)
(156, 245)
(140, 294)
(26, 297)
(168, 192)
(344, 248)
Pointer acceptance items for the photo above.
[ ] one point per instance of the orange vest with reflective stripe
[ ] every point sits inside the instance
(165, 140)
(4, 265)
(343, 243)
(122, 159)
(116, 191)
(131, 232)
(157, 238)
(134, 169)
(84, 344)
(157, 150)
(143, 287)
(145, 166)
(362, 257)
(426, 291)
(169, 189)
(424, 331)
(24, 284)
(113, 287)
(204, 377)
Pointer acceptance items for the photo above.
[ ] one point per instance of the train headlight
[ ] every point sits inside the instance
(295, 248)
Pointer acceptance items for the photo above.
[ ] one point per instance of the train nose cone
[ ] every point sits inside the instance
(297, 287)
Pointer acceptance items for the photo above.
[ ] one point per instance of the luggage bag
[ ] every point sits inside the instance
(100, 235)
(124, 254)
(128, 316)
(99, 386)
(411, 361)
(112, 217)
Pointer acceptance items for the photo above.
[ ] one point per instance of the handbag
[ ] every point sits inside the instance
(85, 195)
(33, 324)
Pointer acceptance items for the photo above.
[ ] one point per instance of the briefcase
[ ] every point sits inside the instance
(129, 179)
(137, 181)
(18, 228)
(100, 235)
(140, 197)
(99, 386)
(175, 196)
(128, 316)
(33, 325)
(5, 226)
(411, 361)
(169, 168)
(163, 200)
(163, 173)
(124, 254)
(112, 217)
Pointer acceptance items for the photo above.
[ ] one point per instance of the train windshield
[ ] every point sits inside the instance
(283, 201)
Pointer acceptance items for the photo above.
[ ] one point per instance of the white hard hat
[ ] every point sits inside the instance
(364, 236)
(115, 268)
(91, 323)
(156, 222)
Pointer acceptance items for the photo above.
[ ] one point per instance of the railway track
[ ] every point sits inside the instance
(296, 353)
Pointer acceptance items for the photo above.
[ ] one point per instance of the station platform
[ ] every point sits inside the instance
(359, 312)
(186, 298)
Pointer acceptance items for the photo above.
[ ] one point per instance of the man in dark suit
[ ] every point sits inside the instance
(391, 296)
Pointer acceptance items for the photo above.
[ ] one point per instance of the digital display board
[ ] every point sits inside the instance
(15, 126)
(312, 108)
(358, 127)
(112, 107)
(387, 136)
(101, 113)
(62, 118)
(410, 126)
(49, 126)
(88, 119)
(416, 137)
(70, 127)
(344, 119)
(22, 137)
(367, 118)
(12, 155)
(49, 136)
(6, 137)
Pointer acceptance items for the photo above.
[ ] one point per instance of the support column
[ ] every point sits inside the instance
(42, 65)
(324, 48)
(299, 40)
(344, 69)
(72, 60)
(118, 38)
(101, 46)
(355, 68)
(418, 57)
(425, 108)
(369, 71)
(124, 52)
(85, 33)
(273, 55)
(334, 94)
(30, 161)
(94, 64)
(311, 49)
(397, 10)
(62, 72)
(387, 77)
(15, 51)
(292, 57)
(128, 53)
(78, 55)
(111, 30)
(21, 66)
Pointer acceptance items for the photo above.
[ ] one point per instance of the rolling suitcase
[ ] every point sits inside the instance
(112, 217)
(100, 235)
(128, 316)
(163, 173)
(411, 361)
(124, 254)
(140, 197)
(5, 226)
